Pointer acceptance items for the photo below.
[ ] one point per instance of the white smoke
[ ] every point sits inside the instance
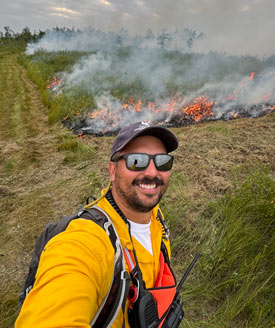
(93, 40)
(142, 70)
(156, 68)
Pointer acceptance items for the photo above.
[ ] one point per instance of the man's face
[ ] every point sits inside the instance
(140, 191)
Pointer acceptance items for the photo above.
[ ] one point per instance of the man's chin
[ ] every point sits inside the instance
(139, 201)
(149, 202)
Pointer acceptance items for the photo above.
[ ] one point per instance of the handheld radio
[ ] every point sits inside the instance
(144, 312)
(176, 313)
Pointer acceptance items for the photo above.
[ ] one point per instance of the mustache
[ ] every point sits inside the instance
(146, 180)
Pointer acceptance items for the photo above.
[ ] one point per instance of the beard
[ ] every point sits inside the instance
(131, 197)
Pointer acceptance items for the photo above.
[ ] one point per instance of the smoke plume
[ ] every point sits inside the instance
(158, 68)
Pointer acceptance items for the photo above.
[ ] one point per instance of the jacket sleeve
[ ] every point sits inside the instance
(73, 278)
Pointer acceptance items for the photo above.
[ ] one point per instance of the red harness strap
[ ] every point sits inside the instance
(129, 260)
(134, 289)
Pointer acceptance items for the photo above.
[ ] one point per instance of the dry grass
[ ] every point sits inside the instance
(45, 172)
(213, 155)
(41, 176)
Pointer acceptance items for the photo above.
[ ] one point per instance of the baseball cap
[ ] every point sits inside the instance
(137, 129)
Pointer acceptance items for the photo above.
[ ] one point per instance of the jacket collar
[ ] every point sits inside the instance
(122, 228)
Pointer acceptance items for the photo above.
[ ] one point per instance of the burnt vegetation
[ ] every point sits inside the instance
(220, 202)
(115, 78)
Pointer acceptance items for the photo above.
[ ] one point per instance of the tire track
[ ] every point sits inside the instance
(36, 183)
(22, 115)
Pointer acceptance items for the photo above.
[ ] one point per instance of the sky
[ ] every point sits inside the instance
(238, 27)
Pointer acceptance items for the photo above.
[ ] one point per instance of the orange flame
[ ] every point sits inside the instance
(137, 107)
(198, 109)
(267, 97)
(54, 81)
(81, 135)
(235, 115)
(251, 76)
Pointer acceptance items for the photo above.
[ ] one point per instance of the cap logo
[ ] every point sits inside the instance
(142, 126)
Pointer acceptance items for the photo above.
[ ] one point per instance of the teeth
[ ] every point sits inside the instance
(146, 186)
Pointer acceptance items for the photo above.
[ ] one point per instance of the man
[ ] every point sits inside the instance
(74, 273)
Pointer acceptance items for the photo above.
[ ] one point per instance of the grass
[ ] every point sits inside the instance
(41, 68)
(45, 65)
(41, 168)
(237, 251)
(220, 202)
(231, 286)
(65, 105)
(74, 150)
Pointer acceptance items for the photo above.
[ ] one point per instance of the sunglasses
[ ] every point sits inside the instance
(139, 162)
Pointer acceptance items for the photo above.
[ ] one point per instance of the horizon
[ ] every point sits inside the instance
(236, 28)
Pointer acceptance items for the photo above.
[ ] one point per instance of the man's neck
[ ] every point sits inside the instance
(131, 215)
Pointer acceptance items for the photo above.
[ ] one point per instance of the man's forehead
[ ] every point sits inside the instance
(145, 142)
(134, 130)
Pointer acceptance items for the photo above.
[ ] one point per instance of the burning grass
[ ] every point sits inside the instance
(93, 100)
(220, 202)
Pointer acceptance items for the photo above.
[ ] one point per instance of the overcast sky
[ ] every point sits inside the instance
(231, 26)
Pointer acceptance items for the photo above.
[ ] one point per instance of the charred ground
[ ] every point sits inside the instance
(83, 125)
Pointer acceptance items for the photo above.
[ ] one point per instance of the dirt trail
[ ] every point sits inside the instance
(33, 178)
(25, 144)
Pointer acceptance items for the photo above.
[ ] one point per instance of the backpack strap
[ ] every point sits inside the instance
(118, 291)
(50, 230)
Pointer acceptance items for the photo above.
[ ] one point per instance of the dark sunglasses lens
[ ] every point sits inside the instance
(137, 162)
(164, 162)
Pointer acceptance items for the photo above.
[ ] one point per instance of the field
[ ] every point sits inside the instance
(220, 202)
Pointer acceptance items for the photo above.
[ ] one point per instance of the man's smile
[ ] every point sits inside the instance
(147, 186)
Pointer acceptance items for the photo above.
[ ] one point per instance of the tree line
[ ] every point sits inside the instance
(25, 35)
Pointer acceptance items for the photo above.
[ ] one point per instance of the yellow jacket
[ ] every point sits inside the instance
(75, 272)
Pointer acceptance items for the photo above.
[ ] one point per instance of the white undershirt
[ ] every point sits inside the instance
(142, 234)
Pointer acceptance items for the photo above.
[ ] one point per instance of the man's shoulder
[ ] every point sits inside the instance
(83, 233)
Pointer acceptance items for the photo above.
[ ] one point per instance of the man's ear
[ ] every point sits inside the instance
(112, 171)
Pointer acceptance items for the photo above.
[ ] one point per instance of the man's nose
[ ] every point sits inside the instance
(151, 169)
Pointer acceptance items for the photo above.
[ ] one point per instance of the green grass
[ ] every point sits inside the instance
(41, 68)
(74, 150)
(48, 64)
(234, 279)
(220, 200)
(8, 309)
(66, 105)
